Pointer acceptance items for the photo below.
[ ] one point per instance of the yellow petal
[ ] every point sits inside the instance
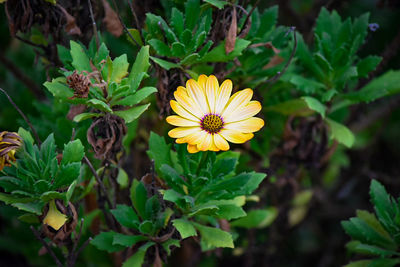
(198, 95)
(220, 142)
(194, 138)
(235, 136)
(251, 109)
(224, 92)
(246, 126)
(54, 217)
(180, 132)
(192, 148)
(213, 145)
(212, 87)
(237, 101)
(202, 81)
(179, 121)
(205, 143)
(178, 109)
(187, 103)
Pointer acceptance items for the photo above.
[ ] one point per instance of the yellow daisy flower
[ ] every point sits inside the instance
(9, 143)
(208, 116)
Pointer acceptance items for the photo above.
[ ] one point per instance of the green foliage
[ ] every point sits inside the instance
(112, 86)
(38, 177)
(376, 235)
(204, 187)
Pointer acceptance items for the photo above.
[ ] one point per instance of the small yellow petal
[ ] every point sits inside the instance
(246, 126)
(180, 132)
(179, 121)
(235, 136)
(220, 142)
(198, 95)
(213, 145)
(178, 109)
(245, 112)
(187, 103)
(212, 87)
(54, 217)
(237, 101)
(202, 81)
(205, 143)
(192, 148)
(224, 92)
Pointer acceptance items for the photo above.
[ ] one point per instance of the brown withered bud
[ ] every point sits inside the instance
(105, 135)
(62, 235)
(80, 83)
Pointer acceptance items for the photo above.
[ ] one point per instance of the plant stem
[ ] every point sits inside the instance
(49, 250)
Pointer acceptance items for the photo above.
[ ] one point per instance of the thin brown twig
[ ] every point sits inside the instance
(123, 24)
(23, 116)
(134, 14)
(49, 250)
(94, 25)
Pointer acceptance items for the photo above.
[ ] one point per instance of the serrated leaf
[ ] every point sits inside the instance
(139, 68)
(214, 237)
(80, 60)
(217, 3)
(136, 260)
(51, 195)
(218, 53)
(171, 242)
(127, 240)
(165, 64)
(184, 227)
(138, 194)
(137, 97)
(340, 133)
(58, 89)
(98, 104)
(159, 151)
(161, 48)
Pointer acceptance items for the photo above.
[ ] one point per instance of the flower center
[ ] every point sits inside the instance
(212, 123)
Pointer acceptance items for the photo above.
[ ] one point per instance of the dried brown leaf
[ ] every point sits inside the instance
(70, 27)
(231, 36)
(112, 21)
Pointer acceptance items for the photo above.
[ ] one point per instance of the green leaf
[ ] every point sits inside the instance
(136, 260)
(218, 53)
(178, 49)
(85, 116)
(67, 174)
(119, 69)
(340, 133)
(132, 114)
(138, 194)
(127, 240)
(139, 68)
(126, 216)
(257, 218)
(217, 3)
(50, 195)
(32, 207)
(58, 89)
(384, 85)
(165, 64)
(184, 227)
(136, 36)
(122, 178)
(80, 60)
(161, 48)
(383, 205)
(25, 135)
(230, 212)
(29, 218)
(10, 199)
(192, 8)
(137, 97)
(214, 237)
(105, 241)
(147, 228)
(73, 152)
(159, 151)
(70, 191)
(98, 104)
(368, 64)
(303, 106)
(177, 20)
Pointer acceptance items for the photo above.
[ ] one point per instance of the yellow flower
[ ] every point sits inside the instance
(54, 217)
(9, 143)
(208, 116)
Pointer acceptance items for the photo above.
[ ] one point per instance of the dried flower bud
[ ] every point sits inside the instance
(105, 135)
(9, 143)
(80, 83)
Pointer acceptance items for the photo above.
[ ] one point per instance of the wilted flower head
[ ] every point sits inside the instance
(208, 116)
(9, 143)
(80, 84)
